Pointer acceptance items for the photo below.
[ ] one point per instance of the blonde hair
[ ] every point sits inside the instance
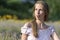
(34, 24)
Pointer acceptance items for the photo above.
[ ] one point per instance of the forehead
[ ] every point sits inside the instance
(39, 6)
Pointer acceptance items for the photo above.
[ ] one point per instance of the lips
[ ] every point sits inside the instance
(38, 16)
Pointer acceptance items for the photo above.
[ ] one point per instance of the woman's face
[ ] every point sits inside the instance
(39, 12)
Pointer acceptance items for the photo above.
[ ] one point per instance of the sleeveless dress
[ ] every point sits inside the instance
(43, 34)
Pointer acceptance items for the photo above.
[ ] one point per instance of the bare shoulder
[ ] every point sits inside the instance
(47, 26)
(28, 24)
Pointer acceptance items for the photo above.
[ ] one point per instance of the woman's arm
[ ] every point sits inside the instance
(24, 37)
(55, 37)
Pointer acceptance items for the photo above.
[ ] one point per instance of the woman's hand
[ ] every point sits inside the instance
(24, 37)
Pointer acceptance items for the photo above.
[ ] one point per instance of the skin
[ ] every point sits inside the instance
(39, 15)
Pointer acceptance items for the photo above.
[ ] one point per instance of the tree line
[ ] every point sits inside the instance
(24, 9)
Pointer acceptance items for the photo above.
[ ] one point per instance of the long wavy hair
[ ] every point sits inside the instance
(34, 24)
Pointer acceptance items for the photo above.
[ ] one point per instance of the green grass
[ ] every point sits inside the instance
(9, 29)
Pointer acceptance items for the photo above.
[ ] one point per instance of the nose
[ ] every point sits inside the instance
(38, 11)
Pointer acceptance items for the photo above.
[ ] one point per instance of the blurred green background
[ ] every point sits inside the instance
(15, 13)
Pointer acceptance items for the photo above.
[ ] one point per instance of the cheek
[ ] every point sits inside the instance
(41, 12)
(35, 13)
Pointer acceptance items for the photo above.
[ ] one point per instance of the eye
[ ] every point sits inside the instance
(41, 9)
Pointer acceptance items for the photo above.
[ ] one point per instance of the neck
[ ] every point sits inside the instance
(40, 23)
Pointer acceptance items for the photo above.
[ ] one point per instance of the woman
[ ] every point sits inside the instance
(37, 29)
